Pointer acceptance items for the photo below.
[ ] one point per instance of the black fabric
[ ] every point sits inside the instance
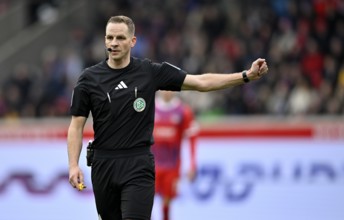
(124, 187)
(114, 154)
(115, 122)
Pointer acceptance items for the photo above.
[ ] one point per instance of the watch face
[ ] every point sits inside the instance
(139, 104)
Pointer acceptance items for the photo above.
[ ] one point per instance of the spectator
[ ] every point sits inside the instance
(300, 38)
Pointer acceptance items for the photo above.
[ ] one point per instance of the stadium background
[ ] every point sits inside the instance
(271, 149)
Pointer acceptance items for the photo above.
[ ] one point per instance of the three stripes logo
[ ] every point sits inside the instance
(121, 85)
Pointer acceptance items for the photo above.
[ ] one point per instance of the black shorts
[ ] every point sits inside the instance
(123, 183)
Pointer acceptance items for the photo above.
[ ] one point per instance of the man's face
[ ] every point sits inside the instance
(119, 40)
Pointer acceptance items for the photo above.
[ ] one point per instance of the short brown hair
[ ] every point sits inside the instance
(123, 19)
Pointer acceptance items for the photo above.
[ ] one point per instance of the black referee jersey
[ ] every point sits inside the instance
(122, 100)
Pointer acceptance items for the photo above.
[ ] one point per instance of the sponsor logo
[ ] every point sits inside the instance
(121, 85)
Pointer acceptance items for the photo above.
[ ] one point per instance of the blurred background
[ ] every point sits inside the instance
(271, 149)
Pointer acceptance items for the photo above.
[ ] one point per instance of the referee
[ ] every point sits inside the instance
(120, 92)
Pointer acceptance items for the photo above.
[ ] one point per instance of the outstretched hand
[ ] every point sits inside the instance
(258, 69)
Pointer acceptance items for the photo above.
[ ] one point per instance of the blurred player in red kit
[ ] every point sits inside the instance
(174, 121)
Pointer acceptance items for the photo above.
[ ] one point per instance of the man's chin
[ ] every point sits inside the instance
(116, 57)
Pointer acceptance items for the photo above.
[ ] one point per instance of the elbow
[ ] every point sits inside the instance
(203, 86)
(198, 83)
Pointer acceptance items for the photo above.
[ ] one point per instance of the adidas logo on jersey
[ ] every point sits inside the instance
(121, 85)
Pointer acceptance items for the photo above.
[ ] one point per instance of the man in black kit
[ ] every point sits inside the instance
(120, 94)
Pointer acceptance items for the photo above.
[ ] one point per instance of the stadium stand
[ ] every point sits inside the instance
(302, 41)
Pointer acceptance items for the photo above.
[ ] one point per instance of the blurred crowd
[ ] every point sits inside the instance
(302, 41)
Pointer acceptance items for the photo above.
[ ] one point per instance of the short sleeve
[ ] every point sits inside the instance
(168, 76)
(80, 103)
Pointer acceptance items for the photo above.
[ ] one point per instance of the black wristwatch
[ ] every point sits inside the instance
(244, 76)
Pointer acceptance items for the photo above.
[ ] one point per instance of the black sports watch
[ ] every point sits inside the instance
(244, 76)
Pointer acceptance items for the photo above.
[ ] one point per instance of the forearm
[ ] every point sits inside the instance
(212, 81)
(215, 81)
(74, 143)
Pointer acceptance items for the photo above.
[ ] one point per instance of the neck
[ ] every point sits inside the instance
(118, 64)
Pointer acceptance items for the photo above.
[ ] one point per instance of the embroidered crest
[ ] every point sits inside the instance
(139, 104)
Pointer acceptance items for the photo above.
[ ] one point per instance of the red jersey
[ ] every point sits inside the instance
(173, 121)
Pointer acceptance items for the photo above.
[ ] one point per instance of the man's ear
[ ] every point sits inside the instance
(133, 41)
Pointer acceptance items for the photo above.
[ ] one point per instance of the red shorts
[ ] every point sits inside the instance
(166, 182)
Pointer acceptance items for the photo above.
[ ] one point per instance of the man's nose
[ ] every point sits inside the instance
(114, 42)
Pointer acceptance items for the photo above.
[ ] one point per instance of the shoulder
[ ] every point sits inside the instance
(138, 60)
(91, 71)
(143, 62)
(101, 66)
